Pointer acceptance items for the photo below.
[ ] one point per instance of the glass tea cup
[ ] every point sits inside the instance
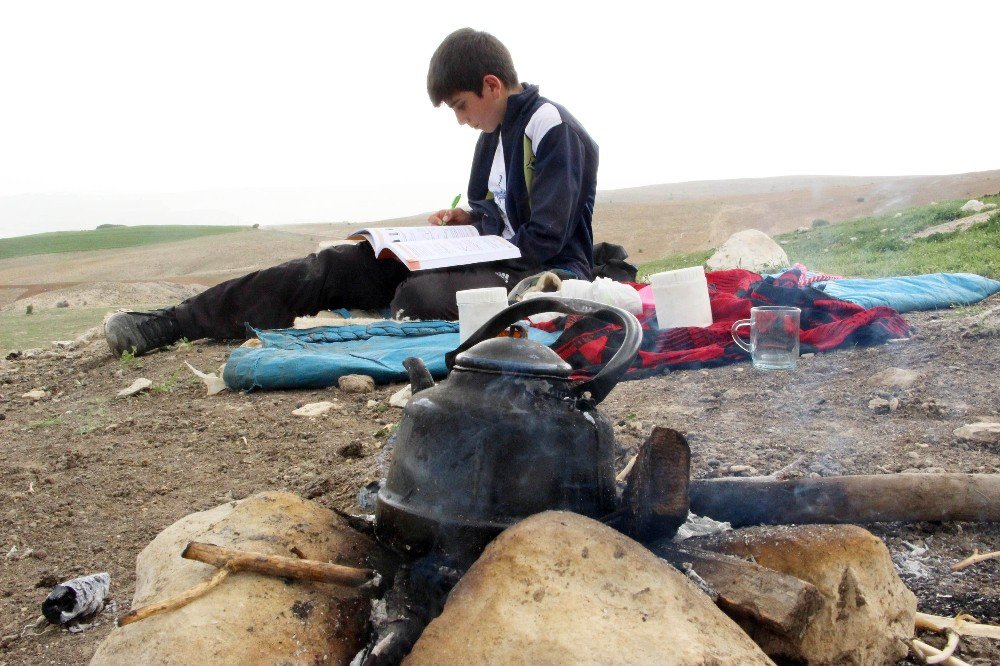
(774, 336)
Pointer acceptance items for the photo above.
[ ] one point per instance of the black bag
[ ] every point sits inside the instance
(609, 262)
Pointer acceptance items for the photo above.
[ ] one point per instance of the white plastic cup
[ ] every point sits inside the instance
(681, 298)
(476, 307)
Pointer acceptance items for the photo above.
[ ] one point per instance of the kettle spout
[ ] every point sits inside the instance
(420, 376)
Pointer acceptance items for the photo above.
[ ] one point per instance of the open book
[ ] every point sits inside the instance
(421, 248)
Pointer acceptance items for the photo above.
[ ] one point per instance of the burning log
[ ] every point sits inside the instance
(749, 592)
(849, 499)
(656, 491)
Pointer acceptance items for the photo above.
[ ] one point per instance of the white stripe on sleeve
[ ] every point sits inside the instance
(542, 120)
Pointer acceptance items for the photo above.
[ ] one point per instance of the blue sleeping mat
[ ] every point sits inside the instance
(913, 292)
(319, 357)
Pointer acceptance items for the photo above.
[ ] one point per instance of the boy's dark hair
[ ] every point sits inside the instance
(463, 59)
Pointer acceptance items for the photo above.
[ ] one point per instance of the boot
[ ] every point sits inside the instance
(141, 332)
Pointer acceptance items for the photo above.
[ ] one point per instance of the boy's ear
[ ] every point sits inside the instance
(492, 86)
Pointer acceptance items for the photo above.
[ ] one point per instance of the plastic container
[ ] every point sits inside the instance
(602, 290)
(681, 298)
(476, 307)
(76, 599)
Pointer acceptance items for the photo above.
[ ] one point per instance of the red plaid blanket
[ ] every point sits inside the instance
(827, 323)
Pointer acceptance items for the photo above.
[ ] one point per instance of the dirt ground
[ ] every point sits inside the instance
(87, 480)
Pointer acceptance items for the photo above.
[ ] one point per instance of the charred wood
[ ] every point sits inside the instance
(849, 499)
(655, 500)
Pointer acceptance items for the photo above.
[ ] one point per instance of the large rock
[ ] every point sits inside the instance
(867, 611)
(984, 432)
(896, 378)
(559, 588)
(249, 618)
(750, 249)
(356, 384)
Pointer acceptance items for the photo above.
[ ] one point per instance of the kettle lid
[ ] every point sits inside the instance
(514, 355)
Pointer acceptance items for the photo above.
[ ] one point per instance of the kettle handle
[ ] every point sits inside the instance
(600, 384)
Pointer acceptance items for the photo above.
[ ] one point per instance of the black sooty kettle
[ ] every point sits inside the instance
(509, 434)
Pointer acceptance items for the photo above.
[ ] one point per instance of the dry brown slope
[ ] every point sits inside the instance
(659, 220)
(202, 260)
(651, 222)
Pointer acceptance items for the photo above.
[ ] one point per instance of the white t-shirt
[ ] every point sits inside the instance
(497, 185)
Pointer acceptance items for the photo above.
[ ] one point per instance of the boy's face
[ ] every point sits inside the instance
(484, 112)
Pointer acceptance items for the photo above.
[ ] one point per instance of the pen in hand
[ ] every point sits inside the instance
(454, 203)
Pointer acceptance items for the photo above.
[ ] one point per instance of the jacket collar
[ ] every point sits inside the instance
(516, 104)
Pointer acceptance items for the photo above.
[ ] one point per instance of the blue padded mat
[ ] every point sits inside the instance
(319, 357)
(913, 292)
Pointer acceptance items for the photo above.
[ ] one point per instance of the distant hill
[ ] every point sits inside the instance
(106, 237)
(651, 222)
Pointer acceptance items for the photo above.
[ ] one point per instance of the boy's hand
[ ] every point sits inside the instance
(449, 216)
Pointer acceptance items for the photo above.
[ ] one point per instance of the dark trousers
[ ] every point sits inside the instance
(345, 276)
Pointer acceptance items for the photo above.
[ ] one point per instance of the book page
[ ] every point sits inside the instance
(380, 238)
(443, 252)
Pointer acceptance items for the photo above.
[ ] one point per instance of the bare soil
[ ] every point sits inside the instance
(87, 480)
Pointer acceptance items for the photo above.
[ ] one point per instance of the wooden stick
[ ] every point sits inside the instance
(926, 651)
(849, 499)
(232, 561)
(622, 475)
(959, 625)
(276, 565)
(781, 603)
(175, 602)
(949, 649)
(975, 558)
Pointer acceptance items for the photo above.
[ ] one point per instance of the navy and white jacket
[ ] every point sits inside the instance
(541, 194)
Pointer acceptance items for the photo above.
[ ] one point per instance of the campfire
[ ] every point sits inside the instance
(503, 484)
(807, 593)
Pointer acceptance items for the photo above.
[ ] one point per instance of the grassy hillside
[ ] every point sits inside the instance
(882, 245)
(21, 331)
(105, 239)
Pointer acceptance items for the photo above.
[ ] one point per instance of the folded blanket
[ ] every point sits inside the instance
(319, 357)
(587, 343)
(914, 292)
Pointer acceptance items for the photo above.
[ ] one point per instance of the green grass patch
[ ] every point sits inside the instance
(40, 329)
(93, 418)
(21, 331)
(168, 384)
(882, 245)
(47, 423)
(129, 361)
(107, 238)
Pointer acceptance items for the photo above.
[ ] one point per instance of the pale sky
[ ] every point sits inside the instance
(318, 111)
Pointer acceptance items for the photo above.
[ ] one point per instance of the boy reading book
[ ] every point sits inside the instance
(533, 182)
